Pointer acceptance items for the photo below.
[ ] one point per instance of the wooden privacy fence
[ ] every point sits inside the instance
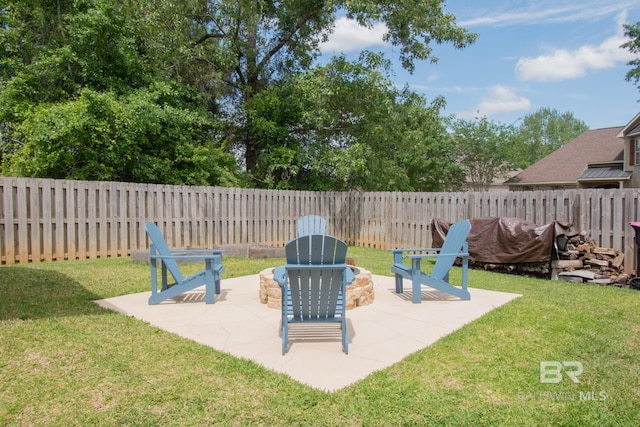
(46, 220)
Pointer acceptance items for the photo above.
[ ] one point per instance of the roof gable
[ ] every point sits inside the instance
(567, 164)
(631, 127)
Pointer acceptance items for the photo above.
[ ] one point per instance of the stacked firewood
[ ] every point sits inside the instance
(583, 261)
(577, 259)
(535, 269)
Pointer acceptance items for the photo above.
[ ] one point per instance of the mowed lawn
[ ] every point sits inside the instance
(65, 361)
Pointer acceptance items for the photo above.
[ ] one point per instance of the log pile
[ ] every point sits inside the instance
(580, 260)
(535, 269)
(583, 261)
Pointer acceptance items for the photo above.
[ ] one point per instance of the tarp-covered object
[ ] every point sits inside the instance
(508, 240)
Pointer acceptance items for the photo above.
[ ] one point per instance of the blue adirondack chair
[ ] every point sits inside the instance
(313, 284)
(311, 224)
(159, 251)
(454, 246)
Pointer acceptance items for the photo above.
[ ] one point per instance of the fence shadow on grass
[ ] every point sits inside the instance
(31, 293)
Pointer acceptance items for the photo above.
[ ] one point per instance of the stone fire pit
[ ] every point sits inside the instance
(359, 292)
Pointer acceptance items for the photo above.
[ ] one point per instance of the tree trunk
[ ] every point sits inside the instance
(252, 150)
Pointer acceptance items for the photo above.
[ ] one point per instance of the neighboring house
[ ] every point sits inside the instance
(630, 134)
(499, 184)
(599, 158)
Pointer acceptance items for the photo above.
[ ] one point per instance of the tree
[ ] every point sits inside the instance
(79, 99)
(633, 46)
(319, 136)
(541, 133)
(141, 137)
(270, 41)
(482, 150)
(62, 60)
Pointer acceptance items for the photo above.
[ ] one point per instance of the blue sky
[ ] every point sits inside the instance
(561, 54)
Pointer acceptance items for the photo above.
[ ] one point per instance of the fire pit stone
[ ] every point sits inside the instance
(359, 292)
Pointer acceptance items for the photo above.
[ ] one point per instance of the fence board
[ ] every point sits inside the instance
(59, 203)
(34, 218)
(46, 188)
(616, 226)
(70, 221)
(9, 240)
(81, 214)
(102, 199)
(22, 223)
(92, 225)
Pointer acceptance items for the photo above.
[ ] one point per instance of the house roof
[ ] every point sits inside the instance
(631, 128)
(605, 173)
(567, 164)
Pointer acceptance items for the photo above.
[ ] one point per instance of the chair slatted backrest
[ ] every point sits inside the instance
(315, 265)
(454, 243)
(311, 224)
(160, 245)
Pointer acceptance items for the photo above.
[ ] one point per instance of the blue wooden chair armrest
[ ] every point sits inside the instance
(215, 257)
(212, 262)
(416, 258)
(280, 275)
(199, 251)
(440, 254)
(349, 276)
(415, 250)
(399, 254)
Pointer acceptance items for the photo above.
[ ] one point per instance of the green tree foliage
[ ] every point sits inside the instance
(142, 137)
(482, 149)
(167, 91)
(79, 99)
(270, 41)
(176, 41)
(541, 133)
(633, 46)
(345, 126)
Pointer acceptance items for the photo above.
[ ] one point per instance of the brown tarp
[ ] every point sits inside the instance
(508, 240)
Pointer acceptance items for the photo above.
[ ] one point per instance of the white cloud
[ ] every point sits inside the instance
(500, 99)
(566, 64)
(432, 77)
(544, 12)
(348, 36)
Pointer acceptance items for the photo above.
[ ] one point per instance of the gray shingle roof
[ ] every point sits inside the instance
(606, 173)
(567, 164)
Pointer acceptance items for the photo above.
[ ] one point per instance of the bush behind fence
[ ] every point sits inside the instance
(48, 220)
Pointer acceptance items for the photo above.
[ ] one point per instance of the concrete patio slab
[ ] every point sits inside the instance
(380, 334)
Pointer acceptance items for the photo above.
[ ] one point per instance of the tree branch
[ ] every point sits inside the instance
(206, 37)
(288, 36)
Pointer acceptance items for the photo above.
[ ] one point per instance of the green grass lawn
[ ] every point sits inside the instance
(66, 361)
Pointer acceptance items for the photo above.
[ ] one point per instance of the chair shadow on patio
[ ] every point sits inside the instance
(299, 333)
(425, 295)
(195, 296)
